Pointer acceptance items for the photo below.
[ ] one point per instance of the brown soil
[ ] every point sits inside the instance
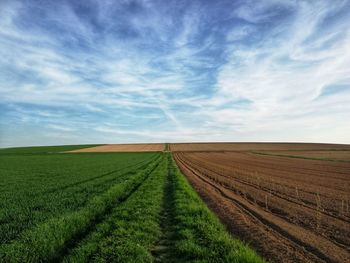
(288, 209)
(180, 147)
(338, 155)
(152, 147)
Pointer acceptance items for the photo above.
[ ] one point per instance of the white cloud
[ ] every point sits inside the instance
(261, 78)
(284, 77)
(60, 128)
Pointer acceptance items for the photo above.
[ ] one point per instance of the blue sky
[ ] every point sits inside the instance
(174, 71)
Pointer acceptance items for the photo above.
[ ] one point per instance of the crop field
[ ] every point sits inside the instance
(151, 147)
(338, 155)
(106, 207)
(288, 209)
(43, 149)
(201, 203)
(188, 147)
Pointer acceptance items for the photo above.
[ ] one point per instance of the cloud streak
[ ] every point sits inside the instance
(133, 71)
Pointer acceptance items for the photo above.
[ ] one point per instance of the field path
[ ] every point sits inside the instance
(162, 250)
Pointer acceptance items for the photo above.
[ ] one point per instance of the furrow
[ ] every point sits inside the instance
(281, 229)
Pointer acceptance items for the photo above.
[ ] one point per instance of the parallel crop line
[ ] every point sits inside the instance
(131, 228)
(48, 240)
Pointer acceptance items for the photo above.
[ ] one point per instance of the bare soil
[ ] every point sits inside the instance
(181, 147)
(339, 155)
(151, 147)
(288, 209)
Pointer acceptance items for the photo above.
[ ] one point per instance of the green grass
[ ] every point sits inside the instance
(38, 188)
(129, 232)
(106, 207)
(46, 241)
(199, 235)
(43, 149)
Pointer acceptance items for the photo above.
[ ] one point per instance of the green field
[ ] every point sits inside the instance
(105, 207)
(43, 149)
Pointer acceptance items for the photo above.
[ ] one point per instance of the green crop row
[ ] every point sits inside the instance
(34, 189)
(107, 207)
(46, 241)
(131, 229)
(199, 235)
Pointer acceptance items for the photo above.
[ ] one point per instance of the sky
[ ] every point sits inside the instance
(103, 71)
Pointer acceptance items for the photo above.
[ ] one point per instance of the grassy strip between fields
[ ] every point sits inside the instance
(131, 229)
(134, 226)
(47, 241)
(199, 236)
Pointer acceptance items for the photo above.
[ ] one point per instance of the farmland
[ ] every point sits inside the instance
(43, 149)
(106, 207)
(154, 147)
(260, 146)
(44, 186)
(288, 209)
(200, 202)
(337, 155)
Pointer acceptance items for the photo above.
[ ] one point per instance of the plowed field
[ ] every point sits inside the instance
(181, 147)
(152, 147)
(338, 155)
(288, 209)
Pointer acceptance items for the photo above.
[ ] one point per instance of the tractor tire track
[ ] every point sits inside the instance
(139, 165)
(268, 233)
(162, 251)
(72, 243)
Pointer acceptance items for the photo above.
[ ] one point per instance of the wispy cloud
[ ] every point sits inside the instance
(127, 71)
